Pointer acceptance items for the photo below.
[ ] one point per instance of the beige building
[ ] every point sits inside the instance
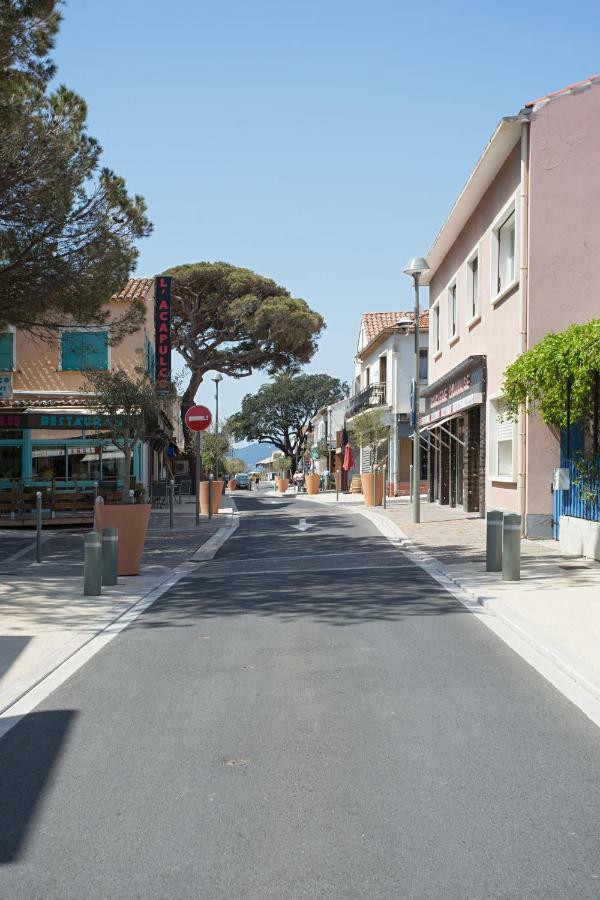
(48, 435)
(517, 258)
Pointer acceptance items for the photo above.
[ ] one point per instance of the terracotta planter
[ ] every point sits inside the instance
(313, 483)
(217, 491)
(372, 492)
(232, 485)
(132, 521)
(282, 485)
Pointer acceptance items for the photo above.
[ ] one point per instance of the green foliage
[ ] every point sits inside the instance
(214, 451)
(281, 411)
(233, 466)
(67, 226)
(370, 430)
(283, 464)
(539, 378)
(130, 406)
(231, 320)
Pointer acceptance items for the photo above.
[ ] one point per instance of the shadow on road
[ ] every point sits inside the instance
(28, 755)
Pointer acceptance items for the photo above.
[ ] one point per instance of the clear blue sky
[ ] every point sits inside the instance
(320, 143)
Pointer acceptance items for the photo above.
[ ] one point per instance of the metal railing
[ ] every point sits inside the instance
(374, 395)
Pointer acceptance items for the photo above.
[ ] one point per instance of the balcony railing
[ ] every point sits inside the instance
(374, 395)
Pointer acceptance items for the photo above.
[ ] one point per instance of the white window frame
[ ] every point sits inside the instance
(509, 209)
(497, 434)
(452, 300)
(473, 315)
(68, 329)
(435, 327)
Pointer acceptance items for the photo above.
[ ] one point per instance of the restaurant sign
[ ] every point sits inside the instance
(56, 421)
(162, 329)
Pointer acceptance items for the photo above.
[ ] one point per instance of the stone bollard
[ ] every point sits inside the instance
(511, 547)
(493, 541)
(110, 553)
(92, 565)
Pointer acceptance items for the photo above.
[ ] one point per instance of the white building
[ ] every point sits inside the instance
(385, 368)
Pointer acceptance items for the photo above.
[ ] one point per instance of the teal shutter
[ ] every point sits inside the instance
(84, 350)
(6, 351)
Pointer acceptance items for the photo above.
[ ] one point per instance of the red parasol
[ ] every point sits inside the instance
(348, 459)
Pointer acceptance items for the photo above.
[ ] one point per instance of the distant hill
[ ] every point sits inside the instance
(252, 453)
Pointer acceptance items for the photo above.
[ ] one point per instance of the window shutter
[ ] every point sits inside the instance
(84, 350)
(505, 431)
(6, 351)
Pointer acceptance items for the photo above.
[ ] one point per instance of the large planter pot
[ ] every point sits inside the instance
(313, 483)
(232, 485)
(282, 485)
(217, 491)
(372, 486)
(131, 519)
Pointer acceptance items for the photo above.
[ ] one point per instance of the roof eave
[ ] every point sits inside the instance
(495, 154)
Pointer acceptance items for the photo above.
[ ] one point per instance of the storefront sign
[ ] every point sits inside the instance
(162, 328)
(56, 421)
(460, 393)
(5, 387)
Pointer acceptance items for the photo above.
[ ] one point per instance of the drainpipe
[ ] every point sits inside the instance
(523, 309)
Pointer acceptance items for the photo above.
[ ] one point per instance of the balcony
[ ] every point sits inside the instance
(374, 395)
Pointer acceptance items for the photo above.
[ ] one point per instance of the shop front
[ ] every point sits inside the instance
(453, 429)
(59, 448)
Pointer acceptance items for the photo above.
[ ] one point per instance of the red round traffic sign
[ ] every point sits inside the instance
(197, 418)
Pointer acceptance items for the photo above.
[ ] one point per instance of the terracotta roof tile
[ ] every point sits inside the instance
(375, 323)
(566, 90)
(134, 289)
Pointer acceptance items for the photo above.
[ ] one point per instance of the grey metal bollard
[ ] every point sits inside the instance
(171, 501)
(385, 487)
(92, 565)
(38, 526)
(110, 553)
(493, 541)
(511, 547)
(410, 483)
(210, 484)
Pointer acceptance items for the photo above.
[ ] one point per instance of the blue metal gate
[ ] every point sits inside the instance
(582, 499)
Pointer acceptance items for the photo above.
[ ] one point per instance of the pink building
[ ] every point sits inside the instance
(517, 258)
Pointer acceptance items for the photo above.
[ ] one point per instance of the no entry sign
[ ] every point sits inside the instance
(197, 418)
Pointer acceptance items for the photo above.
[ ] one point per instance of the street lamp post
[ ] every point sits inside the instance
(415, 268)
(217, 380)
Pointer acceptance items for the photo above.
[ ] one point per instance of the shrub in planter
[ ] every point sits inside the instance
(371, 432)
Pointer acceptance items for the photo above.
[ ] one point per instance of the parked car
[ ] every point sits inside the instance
(243, 481)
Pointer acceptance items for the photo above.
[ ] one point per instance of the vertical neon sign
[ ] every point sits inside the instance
(162, 328)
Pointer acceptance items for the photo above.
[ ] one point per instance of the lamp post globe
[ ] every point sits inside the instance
(415, 269)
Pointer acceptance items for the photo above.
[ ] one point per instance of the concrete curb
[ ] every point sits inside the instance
(559, 658)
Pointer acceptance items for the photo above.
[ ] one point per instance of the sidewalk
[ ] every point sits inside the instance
(556, 605)
(44, 616)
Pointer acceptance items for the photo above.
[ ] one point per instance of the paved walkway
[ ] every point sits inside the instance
(555, 606)
(44, 616)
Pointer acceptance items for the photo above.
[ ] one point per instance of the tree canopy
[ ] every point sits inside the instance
(281, 411)
(231, 320)
(564, 363)
(370, 430)
(67, 225)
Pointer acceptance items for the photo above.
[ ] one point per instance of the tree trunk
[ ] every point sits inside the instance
(189, 437)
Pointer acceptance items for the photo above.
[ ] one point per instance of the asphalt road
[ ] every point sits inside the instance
(307, 716)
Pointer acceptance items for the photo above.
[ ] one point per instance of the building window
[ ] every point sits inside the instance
(473, 287)
(435, 310)
(423, 364)
(84, 349)
(7, 351)
(503, 253)
(503, 438)
(452, 322)
(150, 361)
